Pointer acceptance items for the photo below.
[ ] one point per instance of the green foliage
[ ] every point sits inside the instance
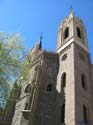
(25, 69)
(11, 55)
(13, 62)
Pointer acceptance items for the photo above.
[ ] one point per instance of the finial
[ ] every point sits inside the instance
(71, 11)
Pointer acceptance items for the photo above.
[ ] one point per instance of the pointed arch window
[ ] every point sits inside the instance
(85, 114)
(78, 32)
(66, 33)
(63, 81)
(62, 119)
(49, 87)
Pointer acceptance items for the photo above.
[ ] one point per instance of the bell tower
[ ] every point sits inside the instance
(72, 29)
(74, 85)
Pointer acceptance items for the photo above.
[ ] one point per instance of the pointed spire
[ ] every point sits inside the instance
(40, 42)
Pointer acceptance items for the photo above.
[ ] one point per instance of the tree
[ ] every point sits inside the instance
(12, 61)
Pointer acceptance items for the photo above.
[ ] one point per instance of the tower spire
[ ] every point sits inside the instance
(40, 41)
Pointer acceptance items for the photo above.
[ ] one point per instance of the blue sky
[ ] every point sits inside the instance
(31, 17)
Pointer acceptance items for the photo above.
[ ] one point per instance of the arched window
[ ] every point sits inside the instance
(49, 87)
(83, 81)
(63, 80)
(78, 32)
(64, 57)
(27, 89)
(85, 114)
(66, 33)
(62, 119)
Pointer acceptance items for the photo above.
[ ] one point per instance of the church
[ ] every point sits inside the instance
(59, 89)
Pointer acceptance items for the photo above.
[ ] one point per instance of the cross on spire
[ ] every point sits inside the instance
(71, 11)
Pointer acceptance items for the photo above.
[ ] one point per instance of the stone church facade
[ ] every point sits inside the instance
(59, 90)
